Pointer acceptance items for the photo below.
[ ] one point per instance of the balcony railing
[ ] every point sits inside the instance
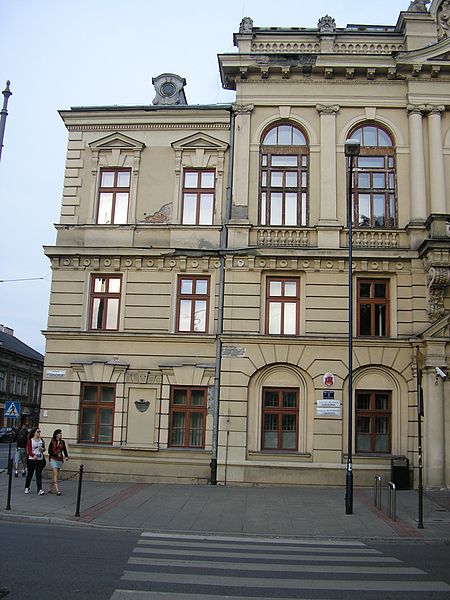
(281, 237)
(367, 238)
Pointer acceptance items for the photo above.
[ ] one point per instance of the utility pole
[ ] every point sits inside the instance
(3, 114)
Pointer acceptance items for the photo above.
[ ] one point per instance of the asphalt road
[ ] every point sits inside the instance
(67, 563)
(46, 561)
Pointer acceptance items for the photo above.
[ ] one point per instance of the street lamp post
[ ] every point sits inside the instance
(3, 114)
(352, 148)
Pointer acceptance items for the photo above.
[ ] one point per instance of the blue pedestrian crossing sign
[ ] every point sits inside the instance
(12, 410)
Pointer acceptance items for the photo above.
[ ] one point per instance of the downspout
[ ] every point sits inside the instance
(222, 252)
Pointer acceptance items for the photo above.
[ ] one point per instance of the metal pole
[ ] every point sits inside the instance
(420, 413)
(10, 471)
(352, 148)
(349, 473)
(218, 359)
(80, 482)
(3, 114)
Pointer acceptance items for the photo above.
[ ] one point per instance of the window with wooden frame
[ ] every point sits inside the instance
(113, 196)
(373, 307)
(282, 305)
(187, 417)
(97, 413)
(198, 197)
(105, 302)
(284, 166)
(374, 201)
(373, 421)
(279, 419)
(192, 304)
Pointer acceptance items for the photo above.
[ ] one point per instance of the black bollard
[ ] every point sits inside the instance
(80, 482)
(10, 472)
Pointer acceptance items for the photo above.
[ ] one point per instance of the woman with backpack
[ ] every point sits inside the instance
(57, 451)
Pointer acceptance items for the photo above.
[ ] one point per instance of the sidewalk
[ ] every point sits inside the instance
(267, 511)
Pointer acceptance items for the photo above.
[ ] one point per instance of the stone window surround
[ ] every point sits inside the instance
(115, 151)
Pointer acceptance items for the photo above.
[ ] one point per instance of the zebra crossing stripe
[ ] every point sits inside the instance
(282, 568)
(305, 584)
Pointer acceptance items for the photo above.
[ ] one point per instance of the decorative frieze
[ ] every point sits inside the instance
(135, 263)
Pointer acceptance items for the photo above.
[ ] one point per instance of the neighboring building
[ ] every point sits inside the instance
(178, 272)
(21, 370)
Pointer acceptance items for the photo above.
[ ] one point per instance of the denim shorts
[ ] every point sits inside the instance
(55, 464)
(20, 456)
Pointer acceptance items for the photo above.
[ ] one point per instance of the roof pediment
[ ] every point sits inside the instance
(439, 53)
(439, 329)
(117, 140)
(200, 140)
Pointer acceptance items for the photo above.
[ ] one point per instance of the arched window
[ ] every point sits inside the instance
(374, 203)
(283, 198)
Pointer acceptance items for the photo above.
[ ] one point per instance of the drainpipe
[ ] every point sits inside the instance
(218, 361)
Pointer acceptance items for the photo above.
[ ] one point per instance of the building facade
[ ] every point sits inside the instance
(198, 321)
(21, 370)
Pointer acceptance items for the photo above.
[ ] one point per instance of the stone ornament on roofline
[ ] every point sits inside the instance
(443, 19)
(419, 6)
(246, 25)
(326, 24)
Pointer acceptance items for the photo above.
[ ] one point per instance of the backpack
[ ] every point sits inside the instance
(22, 437)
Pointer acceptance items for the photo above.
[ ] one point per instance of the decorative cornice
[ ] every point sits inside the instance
(147, 126)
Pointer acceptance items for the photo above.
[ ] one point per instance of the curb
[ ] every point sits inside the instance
(75, 522)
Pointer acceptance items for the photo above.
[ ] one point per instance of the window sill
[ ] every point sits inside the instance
(281, 455)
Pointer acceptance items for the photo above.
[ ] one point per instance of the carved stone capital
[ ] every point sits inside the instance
(416, 109)
(243, 109)
(327, 109)
(437, 280)
(434, 109)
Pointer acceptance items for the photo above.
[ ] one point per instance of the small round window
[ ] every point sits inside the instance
(168, 89)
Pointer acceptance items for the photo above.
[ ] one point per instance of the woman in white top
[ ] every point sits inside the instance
(35, 460)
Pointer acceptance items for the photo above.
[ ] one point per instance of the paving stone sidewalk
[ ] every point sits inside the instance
(256, 510)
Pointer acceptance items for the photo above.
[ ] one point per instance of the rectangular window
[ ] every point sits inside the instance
(280, 419)
(373, 307)
(282, 306)
(192, 304)
(2, 381)
(105, 302)
(198, 197)
(114, 194)
(187, 417)
(36, 390)
(97, 413)
(373, 422)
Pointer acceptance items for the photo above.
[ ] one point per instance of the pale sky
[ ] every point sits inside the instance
(63, 53)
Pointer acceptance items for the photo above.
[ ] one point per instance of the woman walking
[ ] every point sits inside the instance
(56, 451)
(35, 460)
